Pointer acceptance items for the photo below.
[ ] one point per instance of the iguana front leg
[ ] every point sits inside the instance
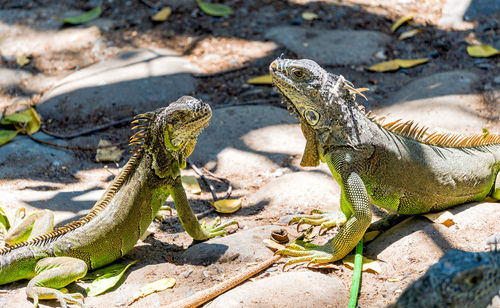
(189, 220)
(54, 273)
(354, 204)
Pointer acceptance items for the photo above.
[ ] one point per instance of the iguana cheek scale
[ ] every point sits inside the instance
(399, 166)
(129, 205)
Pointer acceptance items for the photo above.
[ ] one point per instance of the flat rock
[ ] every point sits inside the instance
(131, 83)
(24, 158)
(10, 77)
(440, 84)
(304, 190)
(480, 9)
(243, 246)
(296, 289)
(245, 142)
(440, 101)
(331, 47)
(407, 250)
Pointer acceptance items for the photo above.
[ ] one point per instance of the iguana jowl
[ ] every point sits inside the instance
(399, 166)
(166, 138)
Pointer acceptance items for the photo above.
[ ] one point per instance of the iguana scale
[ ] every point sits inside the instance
(399, 166)
(166, 137)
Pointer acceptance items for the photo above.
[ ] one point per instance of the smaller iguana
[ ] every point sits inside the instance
(459, 279)
(399, 166)
(165, 139)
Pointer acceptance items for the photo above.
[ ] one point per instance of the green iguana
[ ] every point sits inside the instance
(52, 260)
(459, 279)
(399, 166)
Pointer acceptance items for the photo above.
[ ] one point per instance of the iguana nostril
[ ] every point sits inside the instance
(274, 65)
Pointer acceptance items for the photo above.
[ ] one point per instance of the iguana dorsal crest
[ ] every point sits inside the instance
(412, 130)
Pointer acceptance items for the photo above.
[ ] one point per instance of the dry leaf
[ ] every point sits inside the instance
(227, 205)
(444, 218)
(368, 264)
(150, 288)
(162, 15)
(395, 64)
(190, 183)
(22, 60)
(265, 79)
(406, 63)
(408, 34)
(370, 236)
(309, 16)
(401, 21)
(107, 154)
(482, 51)
(273, 245)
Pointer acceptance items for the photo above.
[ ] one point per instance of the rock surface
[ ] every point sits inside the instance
(330, 47)
(246, 142)
(244, 246)
(120, 87)
(316, 290)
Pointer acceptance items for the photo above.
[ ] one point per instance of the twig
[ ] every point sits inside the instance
(78, 148)
(229, 185)
(88, 131)
(203, 296)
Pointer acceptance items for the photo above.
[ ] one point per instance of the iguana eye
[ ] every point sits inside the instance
(311, 116)
(299, 73)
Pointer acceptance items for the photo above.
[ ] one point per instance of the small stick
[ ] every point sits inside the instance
(201, 297)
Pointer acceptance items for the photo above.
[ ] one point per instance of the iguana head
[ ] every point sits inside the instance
(169, 134)
(319, 99)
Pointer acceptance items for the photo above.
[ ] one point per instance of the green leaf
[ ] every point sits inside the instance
(4, 222)
(214, 9)
(88, 16)
(6, 135)
(33, 125)
(20, 117)
(109, 279)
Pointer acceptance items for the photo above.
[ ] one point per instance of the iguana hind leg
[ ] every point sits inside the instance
(54, 273)
(36, 224)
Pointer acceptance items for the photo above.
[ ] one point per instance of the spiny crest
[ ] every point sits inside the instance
(141, 123)
(96, 209)
(412, 130)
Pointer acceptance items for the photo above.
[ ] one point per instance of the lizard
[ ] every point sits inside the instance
(458, 279)
(164, 140)
(400, 166)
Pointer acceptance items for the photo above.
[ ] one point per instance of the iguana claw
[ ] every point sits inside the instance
(325, 219)
(213, 230)
(302, 252)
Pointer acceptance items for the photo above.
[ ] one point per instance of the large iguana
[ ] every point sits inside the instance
(166, 137)
(399, 166)
(459, 279)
